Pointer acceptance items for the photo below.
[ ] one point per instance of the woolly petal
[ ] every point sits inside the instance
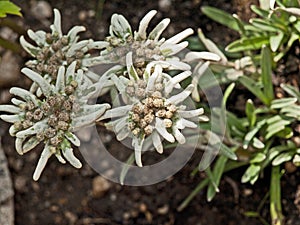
(12, 130)
(116, 112)
(183, 123)
(175, 80)
(10, 109)
(122, 134)
(191, 113)
(178, 136)
(24, 94)
(39, 37)
(18, 145)
(177, 65)
(10, 118)
(130, 68)
(72, 34)
(56, 26)
(72, 138)
(157, 142)
(142, 34)
(30, 144)
(157, 31)
(71, 70)
(138, 145)
(44, 85)
(180, 36)
(152, 79)
(46, 154)
(60, 81)
(32, 50)
(69, 155)
(191, 56)
(176, 99)
(60, 158)
(120, 124)
(197, 73)
(86, 120)
(172, 49)
(17, 101)
(77, 47)
(161, 129)
(119, 27)
(37, 127)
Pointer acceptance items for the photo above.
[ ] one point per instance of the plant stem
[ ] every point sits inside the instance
(275, 197)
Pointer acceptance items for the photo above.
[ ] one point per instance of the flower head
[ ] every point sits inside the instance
(152, 111)
(52, 117)
(55, 49)
(145, 47)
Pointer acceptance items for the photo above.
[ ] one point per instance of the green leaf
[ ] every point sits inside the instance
(216, 177)
(221, 17)
(284, 157)
(266, 74)
(246, 44)
(252, 86)
(7, 7)
(291, 90)
(275, 125)
(276, 40)
(259, 11)
(286, 133)
(251, 173)
(282, 102)
(259, 157)
(250, 112)
(227, 93)
(257, 143)
(250, 135)
(263, 25)
(228, 152)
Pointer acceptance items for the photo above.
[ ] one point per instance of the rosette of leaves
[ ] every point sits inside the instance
(53, 117)
(55, 49)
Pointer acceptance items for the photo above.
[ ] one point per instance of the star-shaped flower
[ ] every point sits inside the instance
(53, 117)
(152, 111)
(55, 49)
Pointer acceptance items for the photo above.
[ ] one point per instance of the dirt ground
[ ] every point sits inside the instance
(65, 195)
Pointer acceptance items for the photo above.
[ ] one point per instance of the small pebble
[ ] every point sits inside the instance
(100, 186)
(163, 210)
(71, 217)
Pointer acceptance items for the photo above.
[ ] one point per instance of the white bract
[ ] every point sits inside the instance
(55, 49)
(53, 117)
(152, 111)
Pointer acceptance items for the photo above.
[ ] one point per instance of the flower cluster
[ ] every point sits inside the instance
(55, 49)
(152, 112)
(147, 73)
(53, 117)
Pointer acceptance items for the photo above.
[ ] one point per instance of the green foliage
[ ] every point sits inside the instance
(7, 7)
(263, 136)
(278, 28)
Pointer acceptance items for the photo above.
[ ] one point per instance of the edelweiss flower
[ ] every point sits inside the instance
(53, 117)
(152, 112)
(145, 48)
(56, 49)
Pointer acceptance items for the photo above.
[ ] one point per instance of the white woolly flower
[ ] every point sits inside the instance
(52, 118)
(55, 49)
(145, 47)
(152, 112)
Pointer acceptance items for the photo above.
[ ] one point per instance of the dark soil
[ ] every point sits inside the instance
(64, 195)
